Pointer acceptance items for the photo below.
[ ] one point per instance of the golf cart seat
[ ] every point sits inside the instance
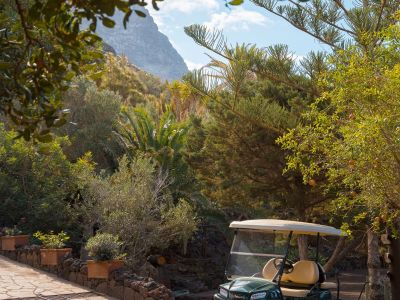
(298, 283)
(304, 272)
(305, 275)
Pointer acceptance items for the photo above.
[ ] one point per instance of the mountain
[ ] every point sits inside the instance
(145, 46)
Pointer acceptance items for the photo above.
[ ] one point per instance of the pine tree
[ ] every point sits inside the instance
(233, 149)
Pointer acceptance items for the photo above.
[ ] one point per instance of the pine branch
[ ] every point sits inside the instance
(214, 41)
(321, 19)
(251, 120)
(383, 4)
(280, 13)
(341, 6)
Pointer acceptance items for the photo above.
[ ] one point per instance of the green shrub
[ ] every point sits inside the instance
(104, 246)
(37, 185)
(52, 240)
(134, 204)
(11, 231)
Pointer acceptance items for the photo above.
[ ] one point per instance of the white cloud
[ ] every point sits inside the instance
(171, 10)
(188, 6)
(236, 19)
(192, 65)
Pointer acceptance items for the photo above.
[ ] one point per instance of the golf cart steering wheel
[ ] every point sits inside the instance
(287, 268)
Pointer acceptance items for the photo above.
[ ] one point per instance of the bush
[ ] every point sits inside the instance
(52, 240)
(94, 114)
(11, 231)
(104, 246)
(37, 185)
(135, 204)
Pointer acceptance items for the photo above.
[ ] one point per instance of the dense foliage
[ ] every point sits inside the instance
(93, 117)
(350, 135)
(44, 45)
(163, 142)
(135, 204)
(233, 150)
(255, 133)
(37, 189)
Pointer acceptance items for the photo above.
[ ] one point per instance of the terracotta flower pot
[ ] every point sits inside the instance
(52, 257)
(10, 242)
(102, 269)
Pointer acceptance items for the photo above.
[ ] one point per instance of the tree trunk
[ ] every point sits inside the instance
(341, 250)
(394, 272)
(302, 242)
(375, 276)
(336, 255)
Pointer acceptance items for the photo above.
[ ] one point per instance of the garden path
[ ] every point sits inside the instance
(18, 281)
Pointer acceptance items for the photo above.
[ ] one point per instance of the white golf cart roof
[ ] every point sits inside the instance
(285, 226)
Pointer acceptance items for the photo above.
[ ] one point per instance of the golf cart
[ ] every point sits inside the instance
(261, 264)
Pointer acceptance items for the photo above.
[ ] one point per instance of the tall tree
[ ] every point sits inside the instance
(234, 152)
(350, 136)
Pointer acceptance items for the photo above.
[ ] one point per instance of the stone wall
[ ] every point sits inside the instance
(122, 284)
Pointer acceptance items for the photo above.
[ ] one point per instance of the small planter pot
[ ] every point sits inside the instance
(11, 242)
(52, 257)
(102, 269)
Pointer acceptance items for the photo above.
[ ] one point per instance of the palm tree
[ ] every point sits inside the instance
(162, 140)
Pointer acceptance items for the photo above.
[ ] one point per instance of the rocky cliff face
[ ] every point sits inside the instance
(145, 46)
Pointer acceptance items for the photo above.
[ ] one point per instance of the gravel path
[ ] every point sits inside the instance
(18, 281)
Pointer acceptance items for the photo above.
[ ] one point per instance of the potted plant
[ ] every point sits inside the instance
(12, 238)
(53, 247)
(105, 250)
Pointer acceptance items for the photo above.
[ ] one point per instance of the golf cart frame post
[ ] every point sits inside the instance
(282, 266)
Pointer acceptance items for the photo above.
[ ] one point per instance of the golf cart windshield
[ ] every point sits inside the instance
(252, 249)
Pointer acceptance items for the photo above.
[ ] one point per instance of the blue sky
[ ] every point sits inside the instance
(247, 23)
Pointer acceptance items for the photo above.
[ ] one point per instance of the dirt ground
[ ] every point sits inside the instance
(351, 284)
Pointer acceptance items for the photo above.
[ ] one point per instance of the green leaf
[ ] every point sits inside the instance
(236, 2)
(45, 138)
(126, 17)
(4, 65)
(95, 76)
(44, 149)
(92, 26)
(108, 22)
(140, 13)
(59, 122)
(95, 54)
(69, 75)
